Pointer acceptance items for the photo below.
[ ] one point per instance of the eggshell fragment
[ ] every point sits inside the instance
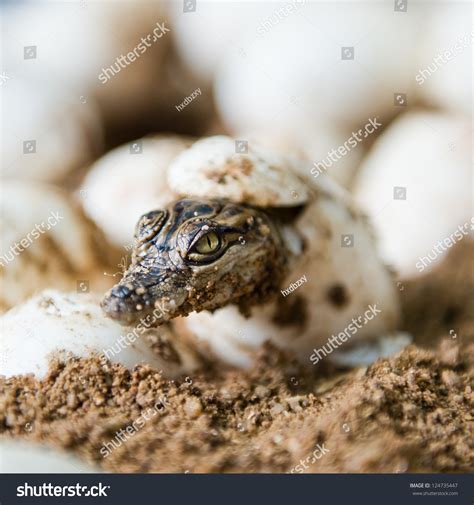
(221, 167)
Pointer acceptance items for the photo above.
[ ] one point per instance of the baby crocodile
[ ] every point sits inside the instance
(250, 249)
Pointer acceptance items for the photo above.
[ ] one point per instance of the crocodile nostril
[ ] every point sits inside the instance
(117, 302)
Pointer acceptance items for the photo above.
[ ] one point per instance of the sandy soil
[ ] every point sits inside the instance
(413, 412)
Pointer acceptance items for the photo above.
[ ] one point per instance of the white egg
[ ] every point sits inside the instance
(46, 132)
(322, 65)
(47, 241)
(111, 51)
(416, 186)
(280, 77)
(444, 63)
(204, 36)
(58, 325)
(127, 182)
(25, 457)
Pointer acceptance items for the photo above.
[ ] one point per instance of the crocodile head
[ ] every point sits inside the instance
(198, 255)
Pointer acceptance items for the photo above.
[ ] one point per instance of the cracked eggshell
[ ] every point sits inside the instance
(46, 133)
(58, 325)
(26, 457)
(122, 186)
(212, 168)
(429, 154)
(47, 241)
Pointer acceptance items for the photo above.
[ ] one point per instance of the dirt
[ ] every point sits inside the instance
(410, 413)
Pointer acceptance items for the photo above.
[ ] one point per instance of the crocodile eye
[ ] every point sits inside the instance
(207, 248)
(207, 244)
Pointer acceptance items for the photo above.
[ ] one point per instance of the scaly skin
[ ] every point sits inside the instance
(199, 255)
